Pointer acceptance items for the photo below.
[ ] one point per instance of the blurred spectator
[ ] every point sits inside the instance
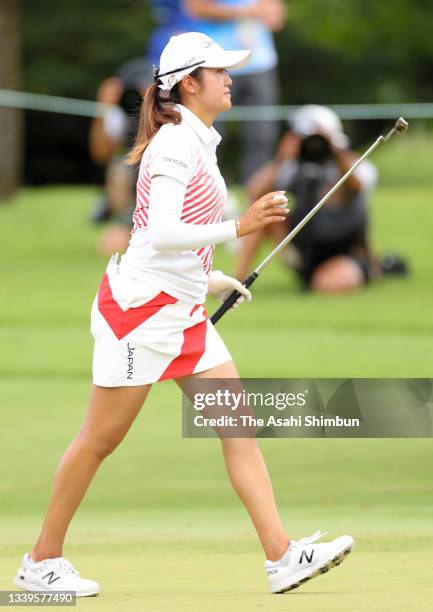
(332, 252)
(170, 18)
(110, 138)
(244, 24)
(234, 24)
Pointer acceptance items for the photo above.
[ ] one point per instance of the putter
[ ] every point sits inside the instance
(400, 126)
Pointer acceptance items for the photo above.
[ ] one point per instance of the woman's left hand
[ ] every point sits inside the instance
(221, 286)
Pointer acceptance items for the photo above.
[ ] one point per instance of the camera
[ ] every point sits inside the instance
(130, 101)
(315, 149)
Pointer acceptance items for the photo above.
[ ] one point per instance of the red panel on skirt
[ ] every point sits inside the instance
(193, 347)
(122, 322)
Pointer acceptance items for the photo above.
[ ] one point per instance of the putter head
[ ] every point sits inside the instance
(401, 125)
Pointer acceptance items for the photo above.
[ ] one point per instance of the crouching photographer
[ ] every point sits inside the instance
(332, 252)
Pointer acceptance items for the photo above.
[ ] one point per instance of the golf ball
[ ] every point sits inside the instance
(280, 197)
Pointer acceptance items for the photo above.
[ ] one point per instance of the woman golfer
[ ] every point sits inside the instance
(149, 322)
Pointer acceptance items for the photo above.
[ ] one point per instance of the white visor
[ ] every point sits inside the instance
(187, 52)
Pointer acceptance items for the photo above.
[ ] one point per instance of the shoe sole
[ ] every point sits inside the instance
(339, 558)
(31, 588)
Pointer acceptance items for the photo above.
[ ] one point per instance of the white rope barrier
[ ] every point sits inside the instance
(88, 108)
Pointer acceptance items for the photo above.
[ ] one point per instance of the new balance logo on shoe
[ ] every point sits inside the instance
(306, 561)
(51, 578)
(308, 558)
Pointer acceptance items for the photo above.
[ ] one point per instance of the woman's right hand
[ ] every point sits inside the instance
(268, 209)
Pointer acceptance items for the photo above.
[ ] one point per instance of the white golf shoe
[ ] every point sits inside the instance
(53, 575)
(305, 560)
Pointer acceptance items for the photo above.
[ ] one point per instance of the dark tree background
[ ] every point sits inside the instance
(10, 118)
(332, 51)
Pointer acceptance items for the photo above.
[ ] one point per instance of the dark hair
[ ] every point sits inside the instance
(155, 112)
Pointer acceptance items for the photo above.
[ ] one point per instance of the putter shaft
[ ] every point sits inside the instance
(318, 206)
(401, 125)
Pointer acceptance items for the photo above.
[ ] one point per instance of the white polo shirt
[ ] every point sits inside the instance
(187, 153)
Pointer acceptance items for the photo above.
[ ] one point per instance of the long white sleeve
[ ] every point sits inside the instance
(167, 232)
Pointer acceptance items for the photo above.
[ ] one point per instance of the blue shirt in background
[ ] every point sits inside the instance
(172, 19)
(231, 35)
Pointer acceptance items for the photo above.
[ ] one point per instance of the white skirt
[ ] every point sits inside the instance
(161, 339)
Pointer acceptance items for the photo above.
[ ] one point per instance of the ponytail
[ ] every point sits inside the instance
(155, 112)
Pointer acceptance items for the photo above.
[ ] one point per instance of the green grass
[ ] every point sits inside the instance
(161, 528)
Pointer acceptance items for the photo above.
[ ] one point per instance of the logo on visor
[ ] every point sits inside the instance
(171, 80)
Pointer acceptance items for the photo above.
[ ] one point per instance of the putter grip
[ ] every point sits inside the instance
(228, 303)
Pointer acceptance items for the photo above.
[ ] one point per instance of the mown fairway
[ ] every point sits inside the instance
(161, 528)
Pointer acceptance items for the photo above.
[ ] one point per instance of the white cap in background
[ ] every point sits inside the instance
(186, 52)
(315, 119)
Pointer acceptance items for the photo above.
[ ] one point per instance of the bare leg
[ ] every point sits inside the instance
(110, 414)
(114, 239)
(250, 245)
(336, 275)
(120, 188)
(250, 479)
